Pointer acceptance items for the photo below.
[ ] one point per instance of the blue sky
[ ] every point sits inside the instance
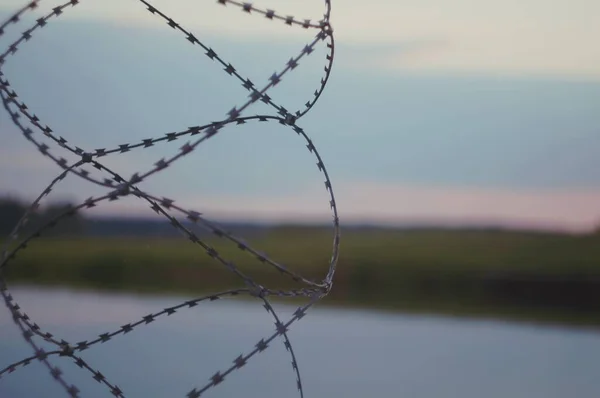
(475, 112)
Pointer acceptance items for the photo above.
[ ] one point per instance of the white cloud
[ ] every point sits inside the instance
(536, 37)
(358, 201)
(396, 203)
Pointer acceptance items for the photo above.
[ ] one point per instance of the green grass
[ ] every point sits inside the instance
(378, 255)
(424, 270)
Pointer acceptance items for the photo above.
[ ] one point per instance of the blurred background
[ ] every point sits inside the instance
(463, 146)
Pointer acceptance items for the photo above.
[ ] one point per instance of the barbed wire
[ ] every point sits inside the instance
(27, 122)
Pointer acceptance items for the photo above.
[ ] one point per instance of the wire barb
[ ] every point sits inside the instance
(48, 141)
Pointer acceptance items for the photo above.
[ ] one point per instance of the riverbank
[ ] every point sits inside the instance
(537, 276)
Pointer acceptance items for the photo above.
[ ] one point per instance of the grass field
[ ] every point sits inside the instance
(386, 268)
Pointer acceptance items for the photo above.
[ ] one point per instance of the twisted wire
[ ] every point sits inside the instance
(28, 123)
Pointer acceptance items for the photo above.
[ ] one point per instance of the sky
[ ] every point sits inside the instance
(440, 112)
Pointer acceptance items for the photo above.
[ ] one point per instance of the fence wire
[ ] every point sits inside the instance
(89, 168)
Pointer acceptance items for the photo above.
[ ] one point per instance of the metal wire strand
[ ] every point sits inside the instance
(48, 142)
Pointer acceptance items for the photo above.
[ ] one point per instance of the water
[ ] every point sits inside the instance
(341, 353)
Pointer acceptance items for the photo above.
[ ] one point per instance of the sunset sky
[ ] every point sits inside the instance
(445, 112)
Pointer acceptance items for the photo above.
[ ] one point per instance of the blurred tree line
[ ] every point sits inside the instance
(12, 209)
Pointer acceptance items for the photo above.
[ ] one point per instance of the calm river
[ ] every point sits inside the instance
(341, 353)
